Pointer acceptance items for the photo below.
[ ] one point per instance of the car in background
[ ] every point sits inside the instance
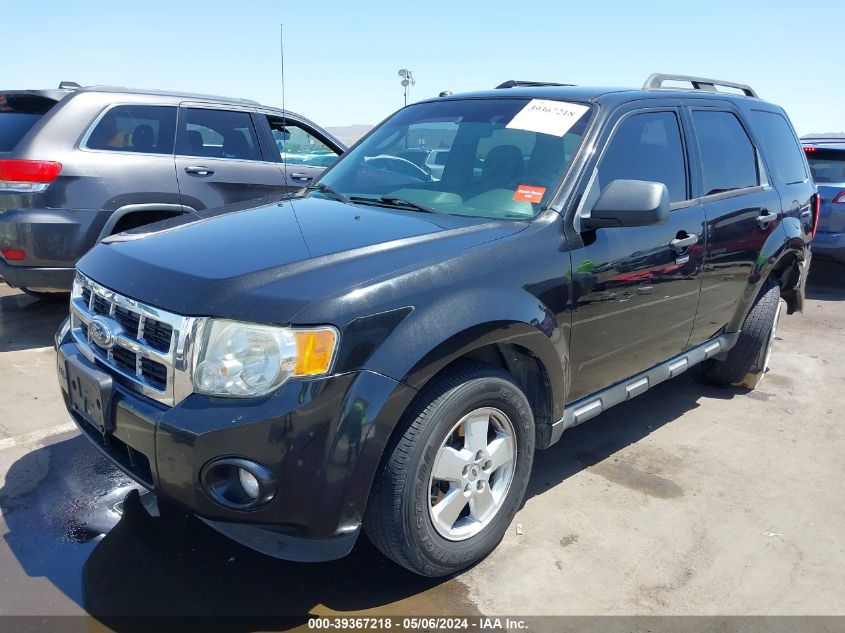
(80, 164)
(826, 155)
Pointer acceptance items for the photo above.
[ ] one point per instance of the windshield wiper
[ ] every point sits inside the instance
(394, 202)
(324, 188)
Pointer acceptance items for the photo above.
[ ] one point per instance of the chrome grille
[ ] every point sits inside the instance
(151, 348)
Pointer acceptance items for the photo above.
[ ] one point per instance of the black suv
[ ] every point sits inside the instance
(80, 164)
(389, 348)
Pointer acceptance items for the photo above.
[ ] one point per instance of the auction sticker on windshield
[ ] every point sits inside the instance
(547, 117)
(524, 193)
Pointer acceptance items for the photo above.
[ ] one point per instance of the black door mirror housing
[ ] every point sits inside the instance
(629, 203)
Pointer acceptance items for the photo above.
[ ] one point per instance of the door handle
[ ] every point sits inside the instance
(682, 243)
(765, 217)
(199, 170)
(301, 177)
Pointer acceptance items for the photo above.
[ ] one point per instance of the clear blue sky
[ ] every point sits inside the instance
(342, 57)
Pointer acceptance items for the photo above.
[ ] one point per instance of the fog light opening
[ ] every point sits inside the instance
(239, 484)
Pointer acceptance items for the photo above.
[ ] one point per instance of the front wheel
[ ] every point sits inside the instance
(456, 473)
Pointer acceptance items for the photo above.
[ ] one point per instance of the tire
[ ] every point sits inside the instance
(752, 349)
(46, 296)
(399, 519)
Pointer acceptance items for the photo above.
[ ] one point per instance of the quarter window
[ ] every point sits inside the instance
(218, 134)
(781, 146)
(143, 129)
(647, 147)
(728, 159)
(297, 146)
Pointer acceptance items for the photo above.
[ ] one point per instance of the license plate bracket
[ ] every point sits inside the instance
(90, 392)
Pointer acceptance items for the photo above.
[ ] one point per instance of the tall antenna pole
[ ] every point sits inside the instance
(282, 52)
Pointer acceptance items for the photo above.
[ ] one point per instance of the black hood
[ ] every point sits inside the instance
(267, 263)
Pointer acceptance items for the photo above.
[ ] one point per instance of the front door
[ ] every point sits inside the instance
(635, 289)
(219, 159)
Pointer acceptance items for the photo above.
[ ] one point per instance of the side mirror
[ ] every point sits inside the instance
(629, 203)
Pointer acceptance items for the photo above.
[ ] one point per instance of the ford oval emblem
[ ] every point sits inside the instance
(100, 332)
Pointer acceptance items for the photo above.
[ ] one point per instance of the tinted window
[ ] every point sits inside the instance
(136, 128)
(647, 147)
(218, 134)
(502, 157)
(781, 147)
(827, 165)
(728, 159)
(297, 146)
(18, 113)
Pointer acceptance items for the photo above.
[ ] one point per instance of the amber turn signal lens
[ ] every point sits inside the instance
(314, 351)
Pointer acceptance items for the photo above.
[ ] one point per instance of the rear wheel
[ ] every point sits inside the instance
(455, 474)
(753, 349)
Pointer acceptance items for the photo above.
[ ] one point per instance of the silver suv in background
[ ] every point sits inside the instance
(80, 164)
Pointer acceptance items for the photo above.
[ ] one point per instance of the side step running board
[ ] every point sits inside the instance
(590, 406)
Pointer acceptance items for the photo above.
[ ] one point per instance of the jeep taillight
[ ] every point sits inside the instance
(27, 176)
(817, 208)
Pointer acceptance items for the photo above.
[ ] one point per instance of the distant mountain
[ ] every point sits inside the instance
(349, 133)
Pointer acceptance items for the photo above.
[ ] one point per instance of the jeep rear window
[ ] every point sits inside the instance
(143, 129)
(782, 149)
(18, 113)
(494, 165)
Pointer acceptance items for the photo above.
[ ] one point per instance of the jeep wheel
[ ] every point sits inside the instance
(456, 473)
(754, 346)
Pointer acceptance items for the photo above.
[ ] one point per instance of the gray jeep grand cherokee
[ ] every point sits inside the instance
(79, 164)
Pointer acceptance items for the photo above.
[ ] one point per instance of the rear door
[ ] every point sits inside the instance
(786, 167)
(741, 207)
(219, 159)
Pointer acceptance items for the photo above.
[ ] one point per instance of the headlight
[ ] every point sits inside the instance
(245, 359)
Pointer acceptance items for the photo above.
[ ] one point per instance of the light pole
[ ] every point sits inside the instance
(407, 80)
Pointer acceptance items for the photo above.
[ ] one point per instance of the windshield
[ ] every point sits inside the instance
(490, 158)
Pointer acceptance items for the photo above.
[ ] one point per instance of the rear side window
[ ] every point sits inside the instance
(218, 134)
(144, 129)
(728, 158)
(18, 113)
(780, 145)
(647, 147)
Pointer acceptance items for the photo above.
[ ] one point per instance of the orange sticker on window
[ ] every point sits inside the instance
(524, 193)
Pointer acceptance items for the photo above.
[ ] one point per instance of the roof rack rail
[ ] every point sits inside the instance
(513, 83)
(68, 85)
(655, 82)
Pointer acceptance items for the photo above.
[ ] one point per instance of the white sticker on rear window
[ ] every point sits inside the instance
(547, 117)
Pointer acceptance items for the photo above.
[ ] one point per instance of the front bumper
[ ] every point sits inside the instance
(831, 245)
(323, 439)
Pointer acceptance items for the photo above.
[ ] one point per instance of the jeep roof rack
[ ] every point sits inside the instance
(513, 83)
(655, 82)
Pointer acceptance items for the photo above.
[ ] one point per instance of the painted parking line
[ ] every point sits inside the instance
(36, 436)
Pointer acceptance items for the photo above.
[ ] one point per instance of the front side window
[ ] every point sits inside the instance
(135, 128)
(782, 149)
(213, 133)
(647, 147)
(489, 158)
(297, 146)
(728, 159)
